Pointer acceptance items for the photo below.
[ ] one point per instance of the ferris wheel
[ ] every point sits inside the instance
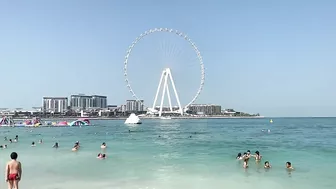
(166, 75)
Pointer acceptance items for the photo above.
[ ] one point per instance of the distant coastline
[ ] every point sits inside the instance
(146, 117)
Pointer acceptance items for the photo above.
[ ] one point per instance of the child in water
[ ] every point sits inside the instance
(289, 165)
(267, 165)
(246, 158)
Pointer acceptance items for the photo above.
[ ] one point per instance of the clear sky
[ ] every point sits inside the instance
(272, 57)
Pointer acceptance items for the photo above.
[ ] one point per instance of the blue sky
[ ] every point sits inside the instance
(272, 57)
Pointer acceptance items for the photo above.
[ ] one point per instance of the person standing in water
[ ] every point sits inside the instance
(13, 172)
(246, 158)
(257, 156)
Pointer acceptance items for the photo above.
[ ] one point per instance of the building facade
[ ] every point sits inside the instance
(84, 102)
(205, 109)
(134, 106)
(55, 104)
(99, 101)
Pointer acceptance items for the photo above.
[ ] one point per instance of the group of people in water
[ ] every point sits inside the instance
(56, 145)
(247, 155)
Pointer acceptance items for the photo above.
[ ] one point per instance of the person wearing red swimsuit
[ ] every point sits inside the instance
(13, 172)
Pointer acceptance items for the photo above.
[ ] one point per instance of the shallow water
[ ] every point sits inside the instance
(160, 154)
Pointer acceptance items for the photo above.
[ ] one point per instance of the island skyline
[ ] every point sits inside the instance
(257, 57)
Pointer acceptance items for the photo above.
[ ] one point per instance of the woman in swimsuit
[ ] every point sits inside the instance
(239, 156)
(257, 156)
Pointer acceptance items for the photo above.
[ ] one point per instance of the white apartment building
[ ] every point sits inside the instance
(55, 104)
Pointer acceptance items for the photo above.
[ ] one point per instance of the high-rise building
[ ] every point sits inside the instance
(134, 106)
(99, 101)
(83, 102)
(55, 104)
(80, 101)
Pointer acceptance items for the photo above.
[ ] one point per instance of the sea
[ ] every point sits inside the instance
(177, 154)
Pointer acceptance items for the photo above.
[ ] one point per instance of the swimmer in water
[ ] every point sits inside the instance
(100, 155)
(5, 139)
(33, 144)
(15, 140)
(3, 146)
(267, 165)
(239, 156)
(55, 145)
(40, 141)
(76, 147)
(10, 141)
(103, 146)
(289, 166)
(248, 153)
(246, 158)
(16, 137)
(257, 156)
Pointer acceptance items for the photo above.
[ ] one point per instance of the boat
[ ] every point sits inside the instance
(133, 119)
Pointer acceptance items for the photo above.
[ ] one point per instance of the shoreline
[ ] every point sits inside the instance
(124, 118)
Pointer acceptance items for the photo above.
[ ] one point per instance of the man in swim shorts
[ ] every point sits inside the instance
(13, 172)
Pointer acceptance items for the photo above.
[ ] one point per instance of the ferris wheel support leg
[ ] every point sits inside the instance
(176, 95)
(169, 99)
(158, 89)
(163, 93)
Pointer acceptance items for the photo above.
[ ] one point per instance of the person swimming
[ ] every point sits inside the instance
(3, 146)
(55, 145)
(76, 146)
(16, 137)
(33, 144)
(5, 139)
(10, 140)
(289, 166)
(257, 156)
(40, 141)
(267, 165)
(239, 156)
(103, 145)
(101, 156)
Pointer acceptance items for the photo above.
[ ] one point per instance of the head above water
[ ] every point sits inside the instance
(248, 151)
(14, 155)
(257, 152)
(104, 143)
(266, 163)
(239, 154)
(288, 164)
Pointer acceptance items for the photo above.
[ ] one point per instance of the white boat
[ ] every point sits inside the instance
(133, 119)
(165, 117)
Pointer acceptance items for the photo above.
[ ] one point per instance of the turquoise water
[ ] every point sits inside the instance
(142, 159)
